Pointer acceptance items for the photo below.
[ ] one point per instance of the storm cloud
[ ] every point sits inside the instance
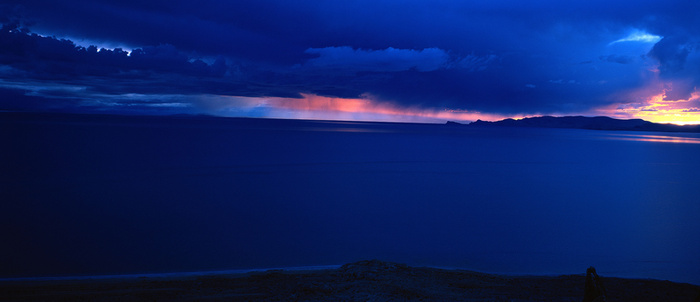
(498, 57)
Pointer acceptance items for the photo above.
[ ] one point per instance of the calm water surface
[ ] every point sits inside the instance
(106, 195)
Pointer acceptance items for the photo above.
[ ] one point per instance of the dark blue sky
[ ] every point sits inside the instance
(365, 60)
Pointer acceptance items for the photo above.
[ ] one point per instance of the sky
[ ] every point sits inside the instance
(378, 60)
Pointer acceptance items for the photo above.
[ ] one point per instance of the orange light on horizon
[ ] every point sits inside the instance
(658, 109)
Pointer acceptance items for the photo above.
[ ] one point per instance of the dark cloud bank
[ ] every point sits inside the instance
(503, 57)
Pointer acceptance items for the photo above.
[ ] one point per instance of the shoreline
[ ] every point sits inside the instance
(294, 269)
(169, 275)
(365, 280)
(309, 268)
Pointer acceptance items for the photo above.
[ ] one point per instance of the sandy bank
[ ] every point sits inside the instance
(362, 281)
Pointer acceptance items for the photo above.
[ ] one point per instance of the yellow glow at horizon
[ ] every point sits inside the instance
(659, 110)
(671, 117)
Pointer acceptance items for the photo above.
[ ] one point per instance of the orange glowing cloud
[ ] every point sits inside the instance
(365, 108)
(657, 108)
(651, 102)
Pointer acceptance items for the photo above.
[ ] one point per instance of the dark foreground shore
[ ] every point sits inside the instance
(361, 281)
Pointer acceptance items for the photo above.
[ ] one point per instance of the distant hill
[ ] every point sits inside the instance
(591, 123)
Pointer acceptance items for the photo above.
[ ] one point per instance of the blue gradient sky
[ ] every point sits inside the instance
(357, 60)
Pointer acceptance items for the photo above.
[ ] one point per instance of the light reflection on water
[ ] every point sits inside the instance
(671, 138)
(345, 129)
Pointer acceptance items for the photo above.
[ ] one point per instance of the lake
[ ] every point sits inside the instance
(93, 194)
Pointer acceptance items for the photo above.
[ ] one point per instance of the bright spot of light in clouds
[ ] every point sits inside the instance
(84, 42)
(639, 36)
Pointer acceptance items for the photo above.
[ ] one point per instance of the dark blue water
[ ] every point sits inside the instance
(86, 195)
